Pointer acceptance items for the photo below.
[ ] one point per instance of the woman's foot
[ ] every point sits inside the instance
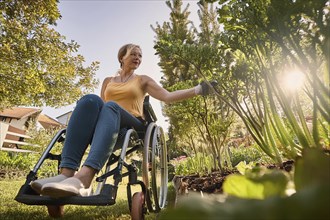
(69, 187)
(39, 183)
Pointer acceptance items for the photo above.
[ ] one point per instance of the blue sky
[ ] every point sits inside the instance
(102, 27)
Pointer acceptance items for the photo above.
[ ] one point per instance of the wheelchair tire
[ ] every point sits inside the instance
(137, 207)
(55, 211)
(155, 168)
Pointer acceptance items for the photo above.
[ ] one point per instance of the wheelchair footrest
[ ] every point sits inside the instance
(107, 197)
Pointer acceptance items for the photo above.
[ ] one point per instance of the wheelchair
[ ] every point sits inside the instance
(153, 180)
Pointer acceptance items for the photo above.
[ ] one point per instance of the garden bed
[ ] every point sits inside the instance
(212, 183)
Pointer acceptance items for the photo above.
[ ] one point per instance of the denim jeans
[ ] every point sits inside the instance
(97, 124)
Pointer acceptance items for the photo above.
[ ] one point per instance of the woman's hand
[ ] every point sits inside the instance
(204, 88)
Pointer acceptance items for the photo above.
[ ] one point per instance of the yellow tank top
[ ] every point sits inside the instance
(129, 95)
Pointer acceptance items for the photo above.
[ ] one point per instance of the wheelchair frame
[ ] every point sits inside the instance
(153, 184)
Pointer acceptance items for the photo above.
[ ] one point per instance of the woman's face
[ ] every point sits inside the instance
(133, 58)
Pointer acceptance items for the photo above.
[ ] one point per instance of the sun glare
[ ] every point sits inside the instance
(293, 80)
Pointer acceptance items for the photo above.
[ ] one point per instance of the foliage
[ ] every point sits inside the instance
(257, 183)
(200, 124)
(42, 137)
(37, 66)
(198, 164)
(312, 169)
(265, 39)
(12, 162)
(248, 154)
(309, 202)
(16, 161)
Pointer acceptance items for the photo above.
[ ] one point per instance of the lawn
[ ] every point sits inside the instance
(10, 209)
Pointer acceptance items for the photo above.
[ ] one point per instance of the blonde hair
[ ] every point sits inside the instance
(125, 50)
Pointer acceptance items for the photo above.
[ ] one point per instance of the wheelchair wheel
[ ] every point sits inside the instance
(137, 212)
(55, 211)
(155, 170)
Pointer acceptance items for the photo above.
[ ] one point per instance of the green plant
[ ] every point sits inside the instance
(261, 42)
(249, 200)
(266, 39)
(200, 124)
(198, 164)
(248, 154)
(13, 160)
(257, 182)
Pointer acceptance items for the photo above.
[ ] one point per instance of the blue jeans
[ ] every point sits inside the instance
(97, 124)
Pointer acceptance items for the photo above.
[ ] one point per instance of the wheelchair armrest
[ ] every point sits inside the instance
(148, 112)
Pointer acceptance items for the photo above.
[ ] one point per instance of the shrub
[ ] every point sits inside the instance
(248, 154)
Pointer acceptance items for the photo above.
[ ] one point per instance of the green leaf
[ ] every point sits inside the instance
(258, 183)
(242, 166)
(240, 186)
(313, 168)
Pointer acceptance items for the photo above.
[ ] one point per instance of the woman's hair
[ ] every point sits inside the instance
(125, 51)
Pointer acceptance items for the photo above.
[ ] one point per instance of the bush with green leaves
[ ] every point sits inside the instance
(14, 163)
(198, 164)
(248, 154)
(14, 160)
(261, 194)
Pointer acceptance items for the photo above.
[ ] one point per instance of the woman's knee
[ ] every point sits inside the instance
(91, 99)
(112, 105)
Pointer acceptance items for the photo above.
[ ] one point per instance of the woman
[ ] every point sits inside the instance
(97, 120)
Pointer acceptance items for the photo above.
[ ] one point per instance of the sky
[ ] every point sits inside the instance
(102, 27)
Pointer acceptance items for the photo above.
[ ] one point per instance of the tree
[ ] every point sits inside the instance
(37, 66)
(176, 72)
(200, 124)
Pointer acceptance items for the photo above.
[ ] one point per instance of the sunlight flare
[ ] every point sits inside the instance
(293, 80)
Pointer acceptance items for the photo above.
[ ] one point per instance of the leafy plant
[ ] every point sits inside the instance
(260, 42)
(198, 164)
(12, 160)
(310, 201)
(248, 154)
(201, 124)
(264, 40)
(257, 182)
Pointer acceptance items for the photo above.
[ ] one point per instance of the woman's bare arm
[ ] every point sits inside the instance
(104, 85)
(158, 92)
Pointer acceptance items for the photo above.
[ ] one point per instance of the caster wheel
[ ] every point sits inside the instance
(55, 211)
(137, 210)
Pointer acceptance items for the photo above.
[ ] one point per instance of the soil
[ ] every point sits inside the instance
(212, 183)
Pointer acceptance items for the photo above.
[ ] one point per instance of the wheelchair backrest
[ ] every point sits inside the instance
(148, 112)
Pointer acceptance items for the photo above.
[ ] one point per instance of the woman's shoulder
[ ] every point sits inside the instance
(145, 78)
(107, 79)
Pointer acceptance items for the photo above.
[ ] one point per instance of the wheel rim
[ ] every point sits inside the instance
(155, 155)
(159, 172)
(146, 154)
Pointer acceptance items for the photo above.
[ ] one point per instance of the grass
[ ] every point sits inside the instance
(10, 209)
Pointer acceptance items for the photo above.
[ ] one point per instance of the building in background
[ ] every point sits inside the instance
(64, 119)
(14, 123)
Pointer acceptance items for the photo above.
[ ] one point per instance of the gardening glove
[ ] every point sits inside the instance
(204, 89)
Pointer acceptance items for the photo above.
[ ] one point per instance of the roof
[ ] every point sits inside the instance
(19, 112)
(24, 112)
(65, 114)
(48, 122)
